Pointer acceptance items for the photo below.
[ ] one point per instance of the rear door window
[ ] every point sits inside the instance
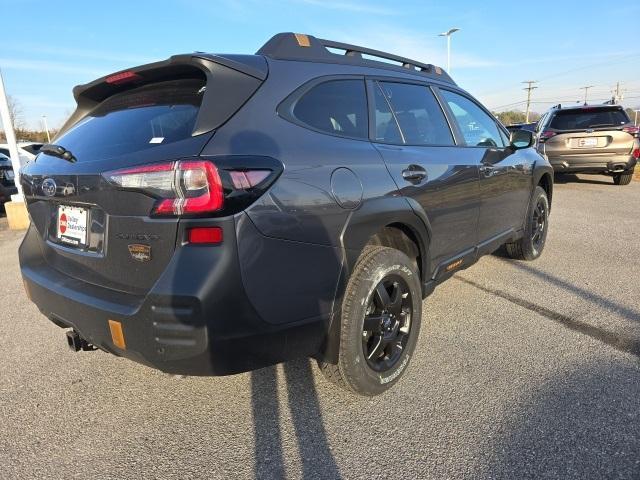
(583, 118)
(417, 112)
(136, 120)
(477, 126)
(338, 107)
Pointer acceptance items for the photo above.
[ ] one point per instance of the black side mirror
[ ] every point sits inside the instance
(521, 139)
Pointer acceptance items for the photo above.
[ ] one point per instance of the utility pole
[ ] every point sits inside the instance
(635, 121)
(586, 91)
(618, 95)
(528, 88)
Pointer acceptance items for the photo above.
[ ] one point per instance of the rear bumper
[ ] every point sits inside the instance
(592, 163)
(194, 321)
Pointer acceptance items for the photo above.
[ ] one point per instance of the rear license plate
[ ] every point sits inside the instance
(72, 225)
(587, 142)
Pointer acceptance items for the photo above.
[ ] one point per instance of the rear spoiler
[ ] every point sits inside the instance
(231, 80)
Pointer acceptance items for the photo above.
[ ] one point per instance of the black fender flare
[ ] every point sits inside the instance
(540, 169)
(361, 225)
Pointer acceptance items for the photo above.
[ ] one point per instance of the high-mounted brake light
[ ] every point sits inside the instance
(183, 187)
(122, 77)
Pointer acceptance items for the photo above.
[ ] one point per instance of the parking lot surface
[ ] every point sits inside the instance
(522, 370)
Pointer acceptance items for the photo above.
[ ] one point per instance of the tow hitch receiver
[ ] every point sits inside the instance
(77, 343)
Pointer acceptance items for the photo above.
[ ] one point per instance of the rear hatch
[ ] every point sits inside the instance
(590, 131)
(91, 227)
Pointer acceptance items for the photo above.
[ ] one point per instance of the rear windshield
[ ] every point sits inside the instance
(589, 118)
(136, 120)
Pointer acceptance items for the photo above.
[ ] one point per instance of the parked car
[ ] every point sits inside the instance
(598, 139)
(26, 150)
(213, 214)
(7, 181)
(530, 127)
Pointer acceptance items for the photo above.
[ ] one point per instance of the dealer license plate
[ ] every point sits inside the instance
(72, 225)
(587, 142)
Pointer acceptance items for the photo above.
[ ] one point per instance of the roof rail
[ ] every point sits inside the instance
(301, 47)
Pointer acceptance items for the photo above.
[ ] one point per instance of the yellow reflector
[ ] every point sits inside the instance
(455, 264)
(303, 40)
(116, 334)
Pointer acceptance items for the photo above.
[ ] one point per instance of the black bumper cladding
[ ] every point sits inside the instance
(196, 320)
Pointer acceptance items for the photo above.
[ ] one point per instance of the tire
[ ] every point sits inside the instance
(531, 245)
(371, 361)
(623, 178)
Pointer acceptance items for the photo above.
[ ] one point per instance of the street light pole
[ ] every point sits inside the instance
(46, 128)
(11, 137)
(448, 34)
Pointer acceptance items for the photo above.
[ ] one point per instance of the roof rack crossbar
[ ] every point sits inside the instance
(295, 46)
(405, 62)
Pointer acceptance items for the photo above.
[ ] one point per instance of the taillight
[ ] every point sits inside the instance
(632, 130)
(243, 179)
(636, 153)
(183, 187)
(546, 135)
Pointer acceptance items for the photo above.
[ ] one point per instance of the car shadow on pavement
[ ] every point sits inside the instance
(582, 423)
(313, 448)
(626, 311)
(570, 178)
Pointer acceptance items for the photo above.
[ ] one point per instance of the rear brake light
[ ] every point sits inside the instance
(204, 235)
(636, 153)
(546, 135)
(183, 187)
(122, 77)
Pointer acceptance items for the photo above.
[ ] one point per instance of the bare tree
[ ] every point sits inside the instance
(16, 113)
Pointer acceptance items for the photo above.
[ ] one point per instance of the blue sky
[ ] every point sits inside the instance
(47, 48)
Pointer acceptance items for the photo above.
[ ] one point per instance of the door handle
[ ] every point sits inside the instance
(414, 173)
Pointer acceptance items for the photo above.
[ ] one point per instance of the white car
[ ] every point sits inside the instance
(26, 150)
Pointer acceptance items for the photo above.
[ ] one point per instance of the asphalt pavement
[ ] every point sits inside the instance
(522, 370)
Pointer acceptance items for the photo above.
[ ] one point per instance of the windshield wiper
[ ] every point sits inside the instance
(58, 151)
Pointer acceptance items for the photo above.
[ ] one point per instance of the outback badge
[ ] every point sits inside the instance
(140, 252)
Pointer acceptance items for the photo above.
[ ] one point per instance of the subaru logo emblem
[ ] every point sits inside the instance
(49, 187)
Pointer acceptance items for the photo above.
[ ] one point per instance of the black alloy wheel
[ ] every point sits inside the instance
(539, 224)
(387, 323)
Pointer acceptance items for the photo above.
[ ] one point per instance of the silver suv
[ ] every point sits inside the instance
(597, 139)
